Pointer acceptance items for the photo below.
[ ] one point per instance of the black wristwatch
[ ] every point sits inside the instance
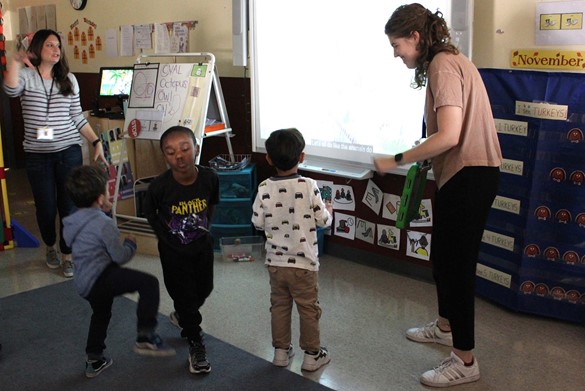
(95, 142)
(398, 157)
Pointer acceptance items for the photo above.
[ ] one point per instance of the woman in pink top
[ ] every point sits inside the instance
(462, 144)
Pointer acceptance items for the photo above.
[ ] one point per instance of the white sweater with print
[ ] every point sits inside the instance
(289, 210)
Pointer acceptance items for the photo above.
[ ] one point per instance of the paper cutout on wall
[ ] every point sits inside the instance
(424, 217)
(344, 225)
(388, 236)
(373, 197)
(343, 197)
(418, 245)
(390, 206)
(365, 230)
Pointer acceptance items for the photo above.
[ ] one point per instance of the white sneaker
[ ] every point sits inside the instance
(314, 361)
(452, 371)
(282, 356)
(430, 333)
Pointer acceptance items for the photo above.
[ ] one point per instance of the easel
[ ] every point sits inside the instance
(211, 94)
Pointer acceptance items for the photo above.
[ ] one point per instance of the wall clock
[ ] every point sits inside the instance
(78, 4)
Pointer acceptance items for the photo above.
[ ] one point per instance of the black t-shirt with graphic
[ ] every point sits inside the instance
(179, 214)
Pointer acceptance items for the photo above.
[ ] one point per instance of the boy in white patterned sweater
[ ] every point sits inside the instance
(289, 208)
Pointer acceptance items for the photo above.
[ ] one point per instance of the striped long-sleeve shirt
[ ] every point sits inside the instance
(48, 108)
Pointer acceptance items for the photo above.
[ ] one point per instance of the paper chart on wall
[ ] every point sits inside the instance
(169, 94)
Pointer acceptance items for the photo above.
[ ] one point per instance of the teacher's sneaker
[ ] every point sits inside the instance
(68, 269)
(95, 367)
(53, 261)
(282, 356)
(430, 333)
(153, 345)
(450, 372)
(315, 360)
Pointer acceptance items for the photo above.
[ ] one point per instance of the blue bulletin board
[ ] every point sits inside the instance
(532, 257)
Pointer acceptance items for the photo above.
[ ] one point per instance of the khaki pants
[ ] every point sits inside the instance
(288, 284)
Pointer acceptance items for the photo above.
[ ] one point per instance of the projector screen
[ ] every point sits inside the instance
(326, 68)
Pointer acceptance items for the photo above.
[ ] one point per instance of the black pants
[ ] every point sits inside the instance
(461, 210)
(115, 281)
(188, 276)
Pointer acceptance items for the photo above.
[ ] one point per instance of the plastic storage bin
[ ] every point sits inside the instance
(234, 212)
(242, 249)
(226, 231)
(238, 184)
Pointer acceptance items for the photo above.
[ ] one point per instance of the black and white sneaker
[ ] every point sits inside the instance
(315, 360)
(198, 362)
(95, 367)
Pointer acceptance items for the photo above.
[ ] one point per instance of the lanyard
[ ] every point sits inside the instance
(47, 94)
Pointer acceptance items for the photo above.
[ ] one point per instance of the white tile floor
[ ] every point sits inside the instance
(365, 313)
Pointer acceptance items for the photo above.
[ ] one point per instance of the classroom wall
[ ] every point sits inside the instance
(212, 33)
(501, 26)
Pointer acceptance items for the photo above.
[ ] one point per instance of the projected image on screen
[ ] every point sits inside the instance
(327, 68)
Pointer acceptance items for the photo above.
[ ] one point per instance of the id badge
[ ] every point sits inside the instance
(45, 133)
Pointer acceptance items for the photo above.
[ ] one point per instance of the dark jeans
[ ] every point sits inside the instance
(47, 173)
(188, 276)
(461, 210)
(115, 281)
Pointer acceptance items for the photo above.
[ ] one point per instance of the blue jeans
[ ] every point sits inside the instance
(47, 173)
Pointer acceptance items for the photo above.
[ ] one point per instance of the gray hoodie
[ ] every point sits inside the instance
(95, 241)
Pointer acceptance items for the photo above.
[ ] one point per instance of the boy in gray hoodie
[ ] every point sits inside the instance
(99, 277)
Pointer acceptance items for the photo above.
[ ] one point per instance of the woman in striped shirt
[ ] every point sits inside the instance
(53, 125)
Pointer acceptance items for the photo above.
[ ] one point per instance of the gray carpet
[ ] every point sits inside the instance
(43, 334)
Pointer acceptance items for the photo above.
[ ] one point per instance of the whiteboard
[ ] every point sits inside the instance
(165, 95)
(328, 70)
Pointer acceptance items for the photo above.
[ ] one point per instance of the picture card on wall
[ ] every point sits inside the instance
(365, 230)
(390, 206)
(344, 225)
(343, 197)
(388, 236)
(418, 245)
(326, 189)
(373, 197)
(424, 217)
